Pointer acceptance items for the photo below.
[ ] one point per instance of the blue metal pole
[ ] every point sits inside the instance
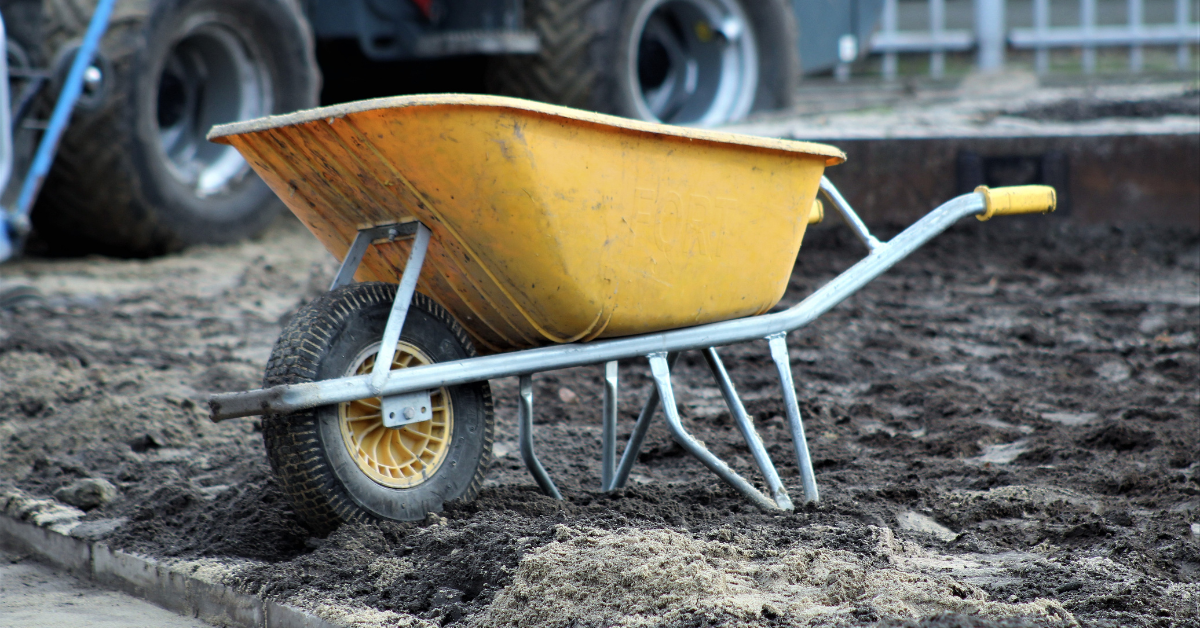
(17, 218)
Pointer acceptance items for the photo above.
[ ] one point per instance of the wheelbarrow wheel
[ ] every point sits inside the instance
(339, 463)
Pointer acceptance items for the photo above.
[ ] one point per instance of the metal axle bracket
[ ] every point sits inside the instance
(401, 410)
(406, 408)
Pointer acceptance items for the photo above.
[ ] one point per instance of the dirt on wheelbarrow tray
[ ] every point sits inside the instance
(1005, 429)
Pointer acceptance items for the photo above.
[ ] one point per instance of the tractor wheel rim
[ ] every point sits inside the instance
(692, 62)
(212, 75)
(400, 457)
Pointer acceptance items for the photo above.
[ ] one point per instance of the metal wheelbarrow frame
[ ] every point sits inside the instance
(402, 391)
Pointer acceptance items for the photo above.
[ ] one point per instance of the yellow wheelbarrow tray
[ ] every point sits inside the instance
(549, 225)
(560, 238)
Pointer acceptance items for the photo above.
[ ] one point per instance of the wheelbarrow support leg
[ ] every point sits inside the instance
(779, 354)
(608, 431)
(405, 408)
(525, 435)
(662, 380)
(778, 492)
(638, 435)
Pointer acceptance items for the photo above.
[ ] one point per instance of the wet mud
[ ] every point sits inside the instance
(1005, 430)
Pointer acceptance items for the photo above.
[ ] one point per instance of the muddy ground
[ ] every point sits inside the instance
(1005, 429)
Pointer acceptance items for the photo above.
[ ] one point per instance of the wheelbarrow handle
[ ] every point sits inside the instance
(1017, 199)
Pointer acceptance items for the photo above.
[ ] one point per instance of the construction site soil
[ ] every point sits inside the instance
(1005, 430)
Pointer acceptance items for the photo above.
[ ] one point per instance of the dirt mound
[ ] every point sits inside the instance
(640, 578)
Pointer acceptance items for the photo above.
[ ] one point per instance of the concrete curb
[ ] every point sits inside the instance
(46, 532)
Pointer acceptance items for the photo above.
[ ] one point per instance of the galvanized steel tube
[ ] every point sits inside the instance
(294, 397)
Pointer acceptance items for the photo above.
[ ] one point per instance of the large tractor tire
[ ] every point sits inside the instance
(340, 463)
(693, 62)
(134, 175)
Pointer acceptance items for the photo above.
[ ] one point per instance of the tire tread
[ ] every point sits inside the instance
(293, 445)
(562, 72)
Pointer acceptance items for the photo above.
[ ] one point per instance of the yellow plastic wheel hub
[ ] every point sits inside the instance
(402, 457)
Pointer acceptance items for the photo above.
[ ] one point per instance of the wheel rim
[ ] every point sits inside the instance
(210, 76)
(692, 62)
(402, 457)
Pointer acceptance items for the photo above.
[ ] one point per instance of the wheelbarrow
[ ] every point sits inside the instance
(546, 238)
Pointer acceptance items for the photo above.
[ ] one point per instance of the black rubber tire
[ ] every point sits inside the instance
(110, 190)
(583, 45)
(305, 448)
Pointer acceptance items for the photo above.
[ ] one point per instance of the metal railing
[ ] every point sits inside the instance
(1088, 36)
(990, 36)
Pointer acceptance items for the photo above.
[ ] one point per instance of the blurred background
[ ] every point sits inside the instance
(103, 146)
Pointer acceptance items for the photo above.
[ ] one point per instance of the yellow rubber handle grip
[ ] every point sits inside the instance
(817, 213)
(1017, 199)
